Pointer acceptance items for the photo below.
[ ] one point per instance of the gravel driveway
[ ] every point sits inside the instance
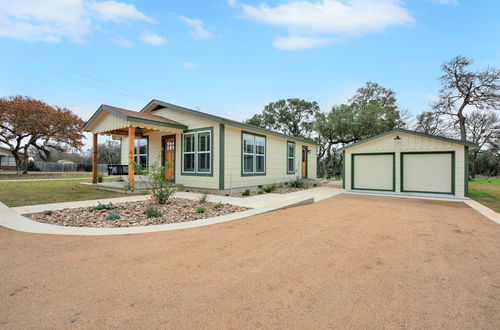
(345, 262)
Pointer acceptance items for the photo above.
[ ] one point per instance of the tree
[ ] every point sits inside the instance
(25, 123)
(483, 127)
(372, 110)
(429, 122)
(462, 88)
(109, 152)
(294, 117)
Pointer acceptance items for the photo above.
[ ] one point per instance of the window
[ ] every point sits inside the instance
(197, 152)
(141, 152)
(290, 157)
(254, 154)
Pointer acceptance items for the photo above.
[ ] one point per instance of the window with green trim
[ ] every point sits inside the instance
(197, 152)
(141, 152)
(290, 157)
(254, 154)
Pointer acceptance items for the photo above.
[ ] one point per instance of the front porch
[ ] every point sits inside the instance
(121, 123)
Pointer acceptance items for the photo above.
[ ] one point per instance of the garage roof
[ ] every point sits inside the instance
(400, 130)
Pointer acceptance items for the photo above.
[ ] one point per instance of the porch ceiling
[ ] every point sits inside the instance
(115, 121)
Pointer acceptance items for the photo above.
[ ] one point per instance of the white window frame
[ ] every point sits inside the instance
(195, 151)
(137, 148)
(288, 170)
(253, 154)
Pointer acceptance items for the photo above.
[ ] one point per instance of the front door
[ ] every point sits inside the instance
(304, 162)
(169, 147)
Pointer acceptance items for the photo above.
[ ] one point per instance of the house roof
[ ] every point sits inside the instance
(135, 117)
(401, 130)
(225, 121)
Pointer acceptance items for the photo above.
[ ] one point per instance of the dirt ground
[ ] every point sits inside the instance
(346, 262)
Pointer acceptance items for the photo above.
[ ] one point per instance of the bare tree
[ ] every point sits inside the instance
(429, 122)
(483, 127)
(462, 88)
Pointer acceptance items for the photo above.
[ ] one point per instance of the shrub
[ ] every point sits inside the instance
(218, 205)
(160, 187)
(261, 191)
(101, 206)
(129, 188)
(203, 197)
(246, 192)
(297, 184)
(152, 212)
(200, 210)
(270, 189)
(113, 216)
(47, 212)
(32, 167)
(100, 176)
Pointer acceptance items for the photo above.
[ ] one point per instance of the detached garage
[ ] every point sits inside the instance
(407, 162)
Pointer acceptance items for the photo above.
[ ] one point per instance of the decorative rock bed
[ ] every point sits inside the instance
(279, 190)
(132, 214)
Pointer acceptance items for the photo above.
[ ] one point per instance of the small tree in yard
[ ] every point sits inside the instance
(26, 122)
(462, 89)
(483, 127)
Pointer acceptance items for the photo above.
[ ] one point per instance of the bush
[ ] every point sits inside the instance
(200, 210)
(129, 188)
(47, 212)
(297, 184)
(100, 207)
(261, 191)
(100, 176)
(32, 167)
(113, 216)
(160, 187)
(270, 189)
(152, 212)
(246, 192)
(203, 197)
(218, 205)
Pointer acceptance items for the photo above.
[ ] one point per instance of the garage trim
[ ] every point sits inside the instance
(375, 154)
(429, 152)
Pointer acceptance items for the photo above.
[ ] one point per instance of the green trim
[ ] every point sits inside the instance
(400, 130)
(374, 154)
(294, 157)
(466, 171)
(211, 173)
(153, 122)
(265, 154)
(227, 122)
(428, 152)
(221, 156)
(307, 161)
(163, 151)
(343, 169)
(105, 108)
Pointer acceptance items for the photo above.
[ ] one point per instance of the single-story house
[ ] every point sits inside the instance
(7, 161)
(204, 151)
(407, 162)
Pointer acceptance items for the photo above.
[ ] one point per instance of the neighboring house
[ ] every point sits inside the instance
(407, 162)
(7, 161)
(204, 151)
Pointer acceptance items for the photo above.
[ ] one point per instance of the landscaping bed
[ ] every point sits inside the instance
(132, 214)
(276, 190)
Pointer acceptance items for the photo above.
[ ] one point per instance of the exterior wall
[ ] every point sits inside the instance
(107, 122)
(409, 143)
(276, 161)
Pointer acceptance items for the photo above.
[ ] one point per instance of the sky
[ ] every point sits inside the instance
(231, 58)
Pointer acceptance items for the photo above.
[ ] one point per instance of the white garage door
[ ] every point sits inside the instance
(373, 171)
(427, 172)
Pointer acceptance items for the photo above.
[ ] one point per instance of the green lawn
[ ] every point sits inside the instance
(44, 192)
(486, 192)
(42, 175)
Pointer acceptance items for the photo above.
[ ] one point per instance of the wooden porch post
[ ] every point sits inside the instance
(94, 158)
(131, 158)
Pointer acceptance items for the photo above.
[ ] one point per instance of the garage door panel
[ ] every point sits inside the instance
(373, 171)
(427, 172)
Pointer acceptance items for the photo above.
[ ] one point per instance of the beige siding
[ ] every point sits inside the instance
(373, 172)
(106, 122)
(409, 143)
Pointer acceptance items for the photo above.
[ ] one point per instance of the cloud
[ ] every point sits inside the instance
(117, 11)
(446, 2)
(309, 22)
(197, 30)
(152, 38)
(57, 20)
(299, 42)
(189, 65)
(232, 3)
(122, 42)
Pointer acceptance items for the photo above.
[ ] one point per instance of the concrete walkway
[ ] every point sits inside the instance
(11, 217)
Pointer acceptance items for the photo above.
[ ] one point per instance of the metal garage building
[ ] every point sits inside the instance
(407, 162)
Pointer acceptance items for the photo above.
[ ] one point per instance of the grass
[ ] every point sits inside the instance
(43, 175)
(44, 192)
(486, 191)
